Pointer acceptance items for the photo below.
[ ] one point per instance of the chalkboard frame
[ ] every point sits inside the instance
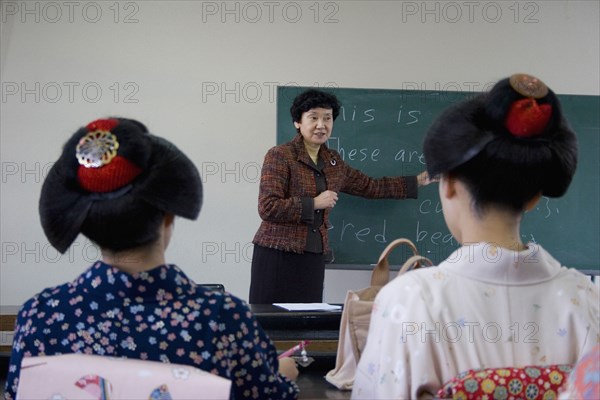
(412, 112)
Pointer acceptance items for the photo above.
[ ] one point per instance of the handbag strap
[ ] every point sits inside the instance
(381, 272)
(414, 262)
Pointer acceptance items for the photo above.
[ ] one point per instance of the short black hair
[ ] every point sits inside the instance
(470, 141)
(313, 98)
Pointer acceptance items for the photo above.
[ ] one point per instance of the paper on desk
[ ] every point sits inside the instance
(308, 306)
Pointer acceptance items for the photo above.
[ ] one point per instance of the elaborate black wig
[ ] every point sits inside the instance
(313, 98)
(120, 203)
(507, 145)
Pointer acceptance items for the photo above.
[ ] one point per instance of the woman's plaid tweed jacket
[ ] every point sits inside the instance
(287, 189)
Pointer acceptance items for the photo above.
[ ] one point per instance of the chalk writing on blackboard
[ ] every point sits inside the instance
(380, 132)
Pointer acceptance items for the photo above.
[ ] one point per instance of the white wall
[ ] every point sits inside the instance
(202, 74)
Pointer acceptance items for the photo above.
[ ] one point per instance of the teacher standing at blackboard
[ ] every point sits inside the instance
(299, 185)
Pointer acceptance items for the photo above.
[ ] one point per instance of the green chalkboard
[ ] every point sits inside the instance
(381, 131)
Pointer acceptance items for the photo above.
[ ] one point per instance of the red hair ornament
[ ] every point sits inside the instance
(526, 118)
(101, 169)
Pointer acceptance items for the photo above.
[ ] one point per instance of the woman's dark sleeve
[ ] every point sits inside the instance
(360, 184)
(21, 347)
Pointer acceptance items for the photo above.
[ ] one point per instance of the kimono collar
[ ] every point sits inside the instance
(489, 263)
(166, 281)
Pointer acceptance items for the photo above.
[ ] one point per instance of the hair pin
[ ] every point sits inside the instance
(96, 149)
(528, 86)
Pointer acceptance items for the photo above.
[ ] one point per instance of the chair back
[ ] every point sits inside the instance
(80, 376)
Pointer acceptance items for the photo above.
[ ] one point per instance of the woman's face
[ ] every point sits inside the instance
(316, 125)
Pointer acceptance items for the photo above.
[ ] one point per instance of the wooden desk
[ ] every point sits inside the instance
(8, 314)
(287, 328)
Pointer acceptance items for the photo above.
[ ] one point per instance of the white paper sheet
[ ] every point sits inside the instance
(308, 306)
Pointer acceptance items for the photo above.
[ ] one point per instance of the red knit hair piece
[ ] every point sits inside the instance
(102, 125)
(109, 177)
(115, 173)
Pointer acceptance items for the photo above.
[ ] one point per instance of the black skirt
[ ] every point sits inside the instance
(285, 277)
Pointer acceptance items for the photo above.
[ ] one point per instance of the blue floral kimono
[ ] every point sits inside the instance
(156, 315)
